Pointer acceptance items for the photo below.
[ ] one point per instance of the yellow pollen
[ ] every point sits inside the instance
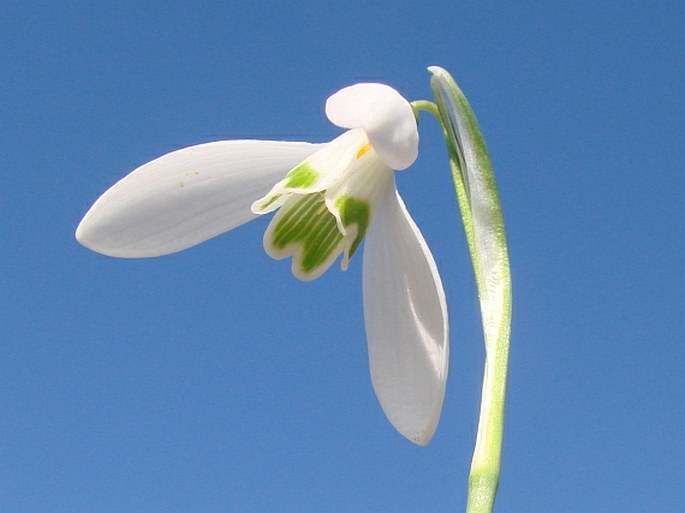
(363, 150)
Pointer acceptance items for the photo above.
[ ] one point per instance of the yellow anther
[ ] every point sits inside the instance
(363, 150)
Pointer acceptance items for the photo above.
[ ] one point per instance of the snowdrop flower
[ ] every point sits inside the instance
(327, 198)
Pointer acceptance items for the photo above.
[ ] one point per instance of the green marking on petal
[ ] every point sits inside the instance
(354, 211)
(320, 243)
(265, 203)
(294, 220)
(298, 178)
(305, 229)
(301, 177)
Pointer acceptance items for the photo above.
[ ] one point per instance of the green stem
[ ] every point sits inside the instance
(485, 464)
(425, 105)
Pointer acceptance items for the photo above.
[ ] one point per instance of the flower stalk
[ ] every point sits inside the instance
(481, 214)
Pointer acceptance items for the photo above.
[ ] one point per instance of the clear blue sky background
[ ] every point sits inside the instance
(213, 381)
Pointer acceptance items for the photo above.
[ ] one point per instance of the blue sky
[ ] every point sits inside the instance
(211, 380)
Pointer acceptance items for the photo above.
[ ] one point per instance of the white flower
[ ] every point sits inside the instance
(329, 197)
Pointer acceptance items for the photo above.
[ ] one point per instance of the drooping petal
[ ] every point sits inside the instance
(186, 197)
(406, 321)
(386, 117)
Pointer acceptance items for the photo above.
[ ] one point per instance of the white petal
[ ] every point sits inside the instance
(318, 172)
(186, 197)
(406, 322)
(366, 181)
(386, 117)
